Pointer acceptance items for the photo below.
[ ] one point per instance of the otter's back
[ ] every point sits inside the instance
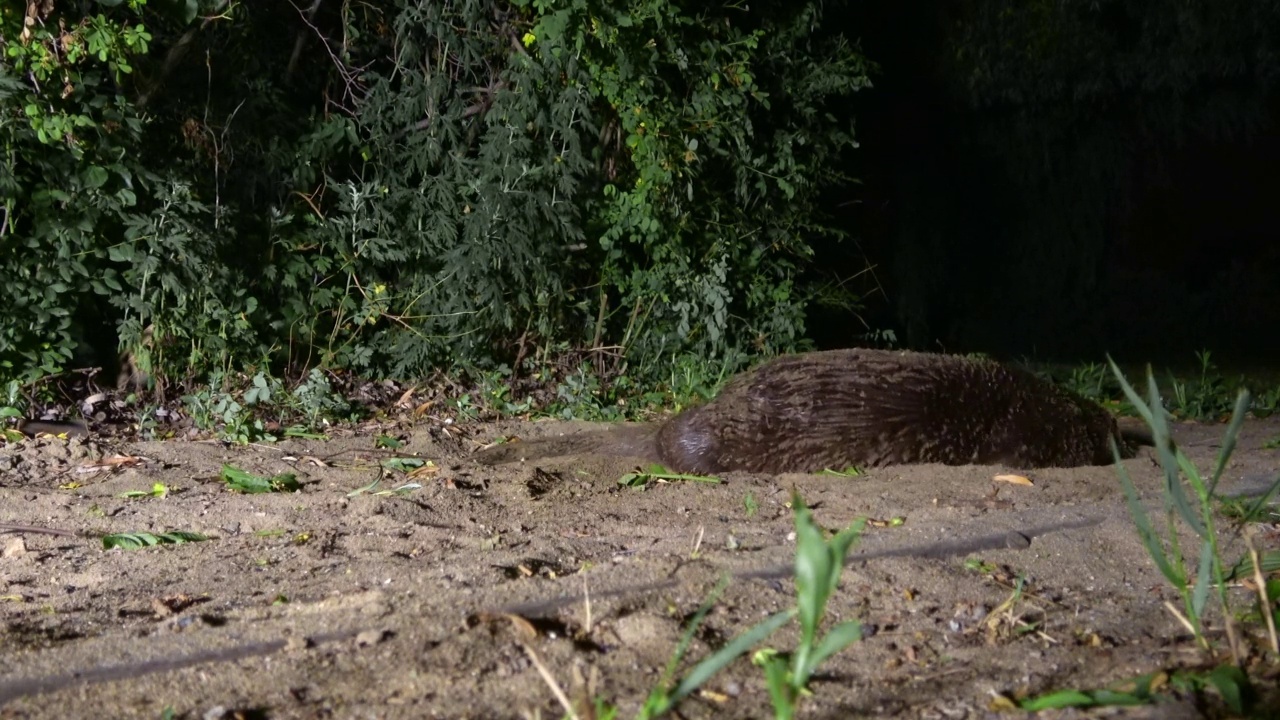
(832, 409)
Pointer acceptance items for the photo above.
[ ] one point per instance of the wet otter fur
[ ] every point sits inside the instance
(865, 408)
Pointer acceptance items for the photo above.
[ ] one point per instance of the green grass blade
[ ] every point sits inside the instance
(775, 678)
(1139, 406)
(1152, 412)
(842, 542)
(1200, 595)
(1176, 494)
(1146, 532)
(1255, 509)
(721, 658)
(812, 570)
(1229, 440)
(1269, 560)
(1174, 491)
(1232, 683)
(840, 637)
(1191, 515)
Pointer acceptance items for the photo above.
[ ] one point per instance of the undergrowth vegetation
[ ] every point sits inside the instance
(1224, 601)
(455, 184)
(1204, 394)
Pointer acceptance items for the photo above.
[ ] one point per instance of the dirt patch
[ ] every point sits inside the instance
(315, 604)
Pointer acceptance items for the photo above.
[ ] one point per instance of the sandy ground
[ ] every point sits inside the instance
(315, 604)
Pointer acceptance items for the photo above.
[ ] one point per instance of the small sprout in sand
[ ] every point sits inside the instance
(302, 432)
(404, 489)
(750, 505)
(1230, 683)
(240, 481)
(386, 441)
(1269, 560)
(851, 471)
(404, 464)
(655, 473)
(134, 541)
(1246, 510)
(158, 490)
(371, 488)
(979, 565)
(817, 574)
(896, 521)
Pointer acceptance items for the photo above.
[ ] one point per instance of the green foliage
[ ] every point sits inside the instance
(104, 240)
(629, 175)
(1194, 508)
(1205, 394)
(460, 183)
(1205, 397)
(67, 173)
(242, 414)
(708, 208)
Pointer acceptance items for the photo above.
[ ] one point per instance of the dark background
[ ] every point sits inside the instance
(1116, 193)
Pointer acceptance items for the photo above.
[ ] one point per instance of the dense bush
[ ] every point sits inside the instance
(412, 185)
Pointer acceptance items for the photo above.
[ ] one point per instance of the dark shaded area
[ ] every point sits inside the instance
(1067, 180)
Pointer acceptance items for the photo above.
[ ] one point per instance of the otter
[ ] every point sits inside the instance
(865, 408)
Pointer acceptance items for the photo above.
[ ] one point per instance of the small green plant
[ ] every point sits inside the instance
(851, 471)
(238, 480)
(235, 410)
(1230, 682)
(1089, 381)
(220, 411)
(817, 574)
(405, 464)
(1266, 402)
(134, 541)
(158, 490)
(1206, 397)
(818, 567)
(1194, 508)
(317, 401)
(655, 473)
(667, 694)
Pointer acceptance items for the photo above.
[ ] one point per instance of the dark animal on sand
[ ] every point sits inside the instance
(865, 408)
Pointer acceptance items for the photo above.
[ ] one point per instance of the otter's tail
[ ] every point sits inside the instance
(626, 441)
